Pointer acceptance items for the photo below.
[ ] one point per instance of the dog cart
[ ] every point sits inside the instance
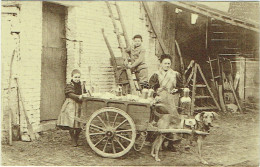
(113, 126)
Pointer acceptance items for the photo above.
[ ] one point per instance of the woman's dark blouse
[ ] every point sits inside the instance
(154, 82)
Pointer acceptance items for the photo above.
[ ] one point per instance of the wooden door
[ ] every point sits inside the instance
(54, 59)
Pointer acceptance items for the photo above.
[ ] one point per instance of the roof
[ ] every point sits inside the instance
(247, 10)
(217, 14)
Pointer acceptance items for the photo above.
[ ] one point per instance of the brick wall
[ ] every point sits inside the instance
(27, 64)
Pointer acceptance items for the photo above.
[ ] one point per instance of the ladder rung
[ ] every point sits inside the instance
(229, 54)
(225, 32)
(232, 48)
(212, 60)
(200, 85)
(205, 108)
(220, 25)
(203, 97)
(224, 39)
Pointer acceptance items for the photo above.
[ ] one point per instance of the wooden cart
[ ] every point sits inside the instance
(113, 125)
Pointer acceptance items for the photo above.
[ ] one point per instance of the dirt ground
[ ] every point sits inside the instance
(232, 141)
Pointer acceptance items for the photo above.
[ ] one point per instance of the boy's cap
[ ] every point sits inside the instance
(75, 71)
(138, 36)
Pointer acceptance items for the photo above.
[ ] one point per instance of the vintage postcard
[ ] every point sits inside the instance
(130, 83)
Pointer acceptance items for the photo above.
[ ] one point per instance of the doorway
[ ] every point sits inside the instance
(54, 60)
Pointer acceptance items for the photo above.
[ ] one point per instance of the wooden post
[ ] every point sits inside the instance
(242, 66)
(155, 29)
(122, 25)
(193, 93)
(182, 64)
(10, 121)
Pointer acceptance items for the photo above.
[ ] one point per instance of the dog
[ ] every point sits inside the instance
(202, 122)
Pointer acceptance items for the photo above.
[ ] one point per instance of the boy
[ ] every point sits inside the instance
(137, 56)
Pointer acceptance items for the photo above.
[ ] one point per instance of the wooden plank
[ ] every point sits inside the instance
(241, 88)
(122, 25)
(236, 81)
(234, 93)
(188, 131)
(202, 97)
(193, 93)
(155, 29)
(31, 132)
(9, 100)
(221, 99)
(181, 61)
(206, 108)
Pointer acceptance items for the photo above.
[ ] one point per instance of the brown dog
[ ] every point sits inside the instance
(167, 121)
(203, 123)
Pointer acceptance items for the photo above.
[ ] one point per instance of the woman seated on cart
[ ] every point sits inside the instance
(168, 80)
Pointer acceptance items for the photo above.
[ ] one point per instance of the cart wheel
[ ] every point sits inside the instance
(110, 132)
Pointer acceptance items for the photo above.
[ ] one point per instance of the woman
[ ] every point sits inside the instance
(167, 79)
(166, 83)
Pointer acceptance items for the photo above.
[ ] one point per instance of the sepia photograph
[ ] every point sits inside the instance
(129, 83)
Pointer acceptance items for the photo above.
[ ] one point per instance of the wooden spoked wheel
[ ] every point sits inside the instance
(110, 132)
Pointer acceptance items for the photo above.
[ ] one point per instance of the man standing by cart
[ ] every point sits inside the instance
(137, 57)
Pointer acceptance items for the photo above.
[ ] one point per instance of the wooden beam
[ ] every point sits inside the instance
(155, 29)
(193, 93)
(218, 16)
(123, 25)
(188, 131)
(181, 61)
(241, 87)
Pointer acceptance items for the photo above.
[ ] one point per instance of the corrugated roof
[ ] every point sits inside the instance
(216, 14)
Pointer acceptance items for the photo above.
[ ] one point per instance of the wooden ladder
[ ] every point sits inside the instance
(134, 85)
(200, 95)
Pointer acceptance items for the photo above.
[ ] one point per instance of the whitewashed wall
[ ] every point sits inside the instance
(27, 64)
